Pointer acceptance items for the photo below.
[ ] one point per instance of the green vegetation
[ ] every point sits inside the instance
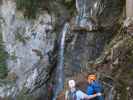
(6, 82)
(13, 56)
(122, 89)
(25, 95)
(29, 7)
(70, 4)
(3, 57)
(20, 37)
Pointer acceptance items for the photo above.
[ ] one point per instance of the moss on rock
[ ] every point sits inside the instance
(29, 7)
(24, 95)
(3, 58)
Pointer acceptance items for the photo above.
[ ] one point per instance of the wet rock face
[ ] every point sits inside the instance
(92, 14)
(85, 6)
(86, 9)
(85, 47)
(28, 44)
(116, 67)
(87, 41)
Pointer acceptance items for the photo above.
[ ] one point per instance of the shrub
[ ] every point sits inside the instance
(20, 37)
(70, 4)
(29, 7)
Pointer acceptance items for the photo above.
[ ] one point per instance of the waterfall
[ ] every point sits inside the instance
(81, 9)
(60, 63)
(87, 12)
(111, 93)
(111, 88)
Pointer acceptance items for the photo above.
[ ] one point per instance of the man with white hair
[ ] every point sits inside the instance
(75, 94)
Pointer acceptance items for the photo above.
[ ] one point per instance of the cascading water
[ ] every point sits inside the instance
(88, 8)
(60, 64)
(111, 93)
(87, 14)
(110, 88)
(83, 20)
(81, 9)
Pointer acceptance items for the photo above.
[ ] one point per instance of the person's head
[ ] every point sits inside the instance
(91, 78)
(71, 84)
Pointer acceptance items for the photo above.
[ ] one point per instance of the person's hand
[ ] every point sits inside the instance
(98, 94)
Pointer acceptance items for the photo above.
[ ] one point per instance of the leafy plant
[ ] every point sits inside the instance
(25, 95)
(20, 37)
(70, 4)
(13, 56)
(29, 7)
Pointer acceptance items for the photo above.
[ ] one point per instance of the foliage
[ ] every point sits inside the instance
(70, 4)
(24, 95)
(13, 56)
(20, 37)
(30, 7)
(3, 57)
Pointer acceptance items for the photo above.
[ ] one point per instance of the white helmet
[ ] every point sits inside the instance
(71, 83)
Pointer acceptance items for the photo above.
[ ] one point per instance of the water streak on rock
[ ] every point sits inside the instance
(60, 64)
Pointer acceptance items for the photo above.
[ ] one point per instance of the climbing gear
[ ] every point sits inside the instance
(92, 77)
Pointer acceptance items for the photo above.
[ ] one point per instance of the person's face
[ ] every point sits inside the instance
(71, 84)
(90, 81)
